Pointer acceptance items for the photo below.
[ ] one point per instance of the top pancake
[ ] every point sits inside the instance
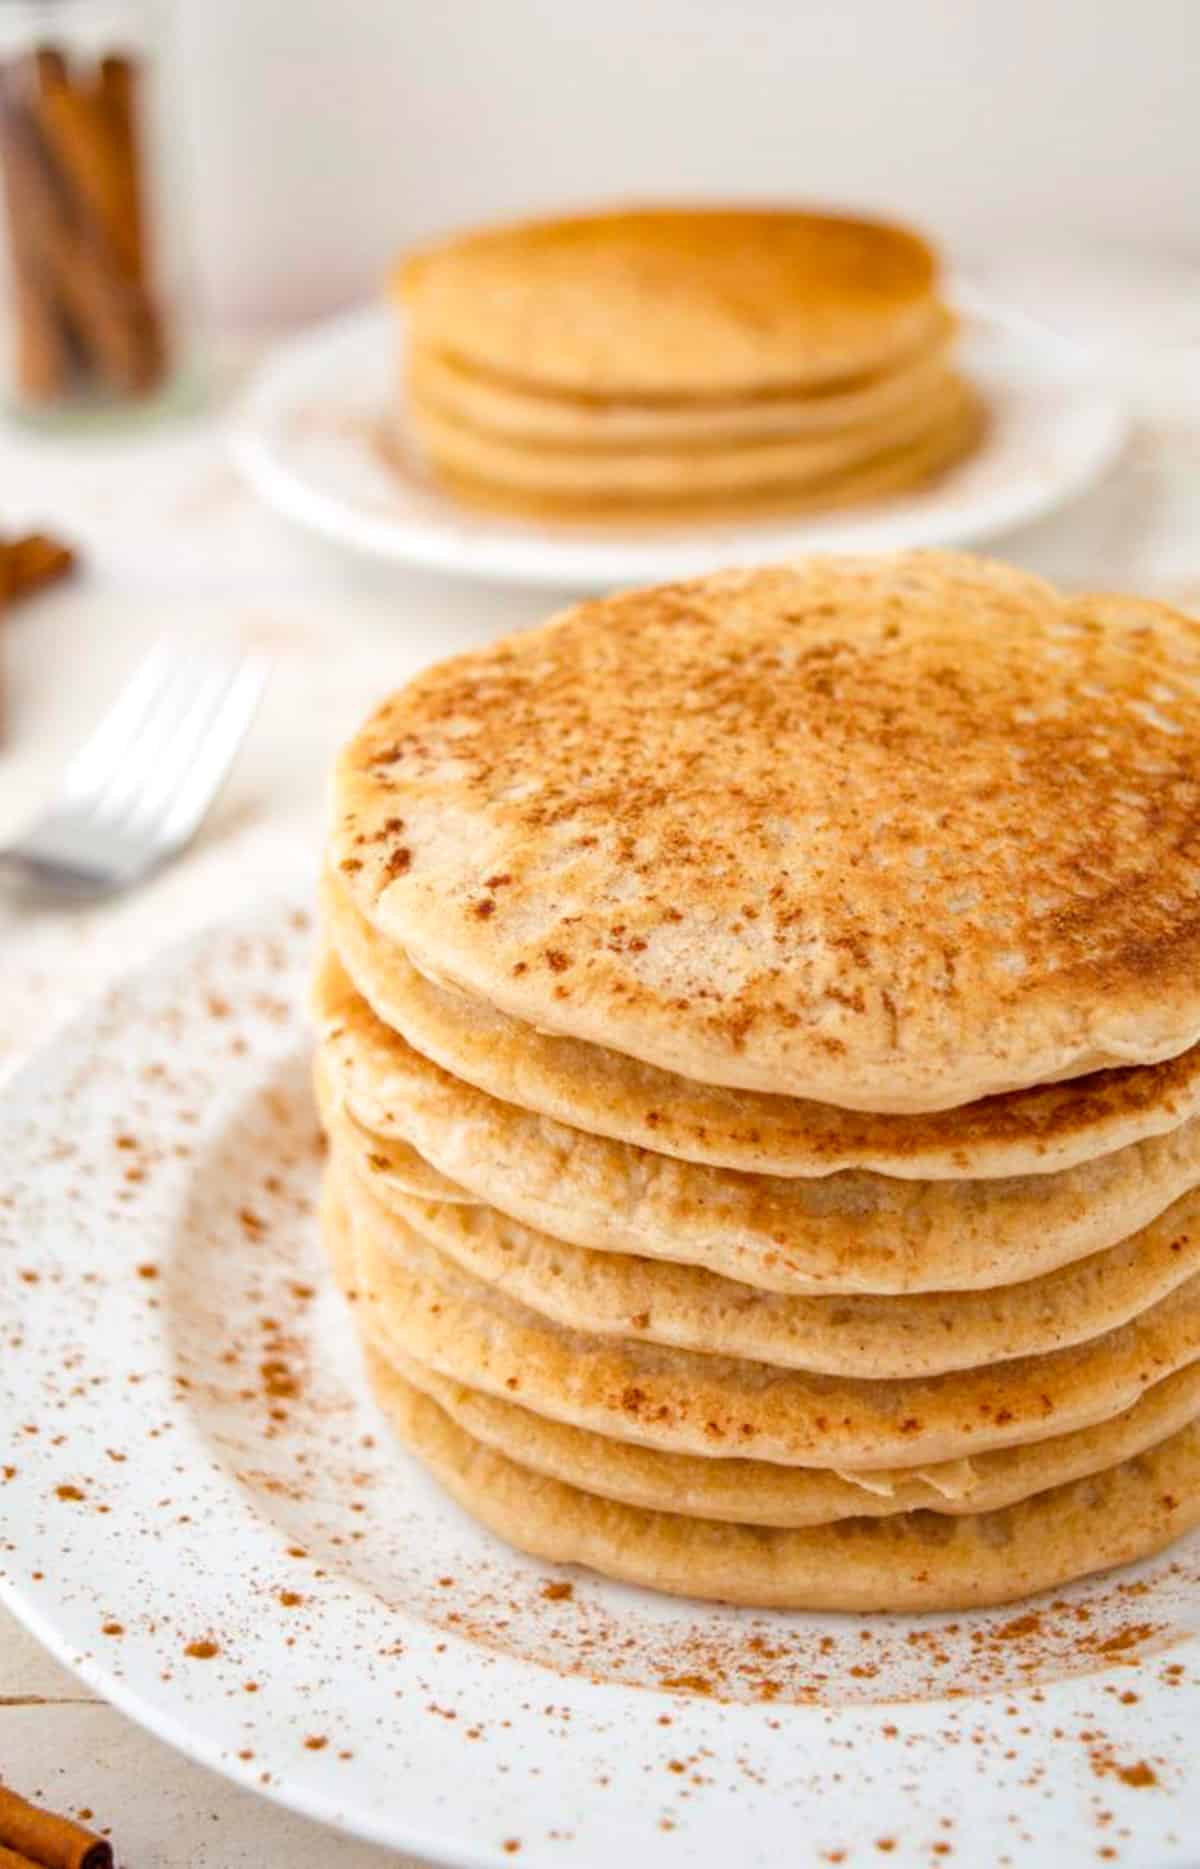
(893, 834)
(669, 302)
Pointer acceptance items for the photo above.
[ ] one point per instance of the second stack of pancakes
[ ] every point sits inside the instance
(674, 362)
(758, 1031)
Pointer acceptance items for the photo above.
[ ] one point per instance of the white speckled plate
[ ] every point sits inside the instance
(307, 441)
(200, 1512)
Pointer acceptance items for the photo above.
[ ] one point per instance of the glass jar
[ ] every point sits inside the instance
(95, 263)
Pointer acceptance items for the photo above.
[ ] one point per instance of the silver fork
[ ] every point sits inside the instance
(139, 787)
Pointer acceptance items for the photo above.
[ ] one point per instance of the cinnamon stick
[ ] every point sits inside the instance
(85, 170)
(31, 562)
(99, 305)
(50, 63)
(42, 360)
(76, 129)
(52, 1842)
(119, 84)
(117, 98)
(71, 162)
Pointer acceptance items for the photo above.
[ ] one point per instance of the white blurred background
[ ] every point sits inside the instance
(324, 134)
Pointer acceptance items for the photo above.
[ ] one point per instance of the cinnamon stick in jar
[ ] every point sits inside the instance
(29, 1835)
(86, 313)
(42, 361)
(86, 296)
(91, 146)
(117, 94)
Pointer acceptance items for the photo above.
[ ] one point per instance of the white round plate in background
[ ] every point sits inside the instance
(202, 1513)
(307, 437)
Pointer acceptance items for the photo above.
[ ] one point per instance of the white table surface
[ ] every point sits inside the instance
(171, 541)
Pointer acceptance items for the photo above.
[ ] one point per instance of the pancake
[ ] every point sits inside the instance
(628, 476)
(928, 1333)
(850, 1232)
(547, 1444)
(405, 1172)
(495, 405)
(753, 1492)
(757, 1492)
(479, 401)
(909, 1562)
(1043, 1129)
(900, 470)
(955, 853)
(674, 301)
(682, 1402)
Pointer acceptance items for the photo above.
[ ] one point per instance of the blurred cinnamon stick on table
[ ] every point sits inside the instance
(32, 561)
(29, 563)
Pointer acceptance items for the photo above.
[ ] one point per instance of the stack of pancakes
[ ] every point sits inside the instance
(758, 1045)
(677, 362)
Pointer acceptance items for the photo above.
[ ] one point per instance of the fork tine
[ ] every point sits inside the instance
(105, 747)
(150, 746)
(214, 756)
(164, 764)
